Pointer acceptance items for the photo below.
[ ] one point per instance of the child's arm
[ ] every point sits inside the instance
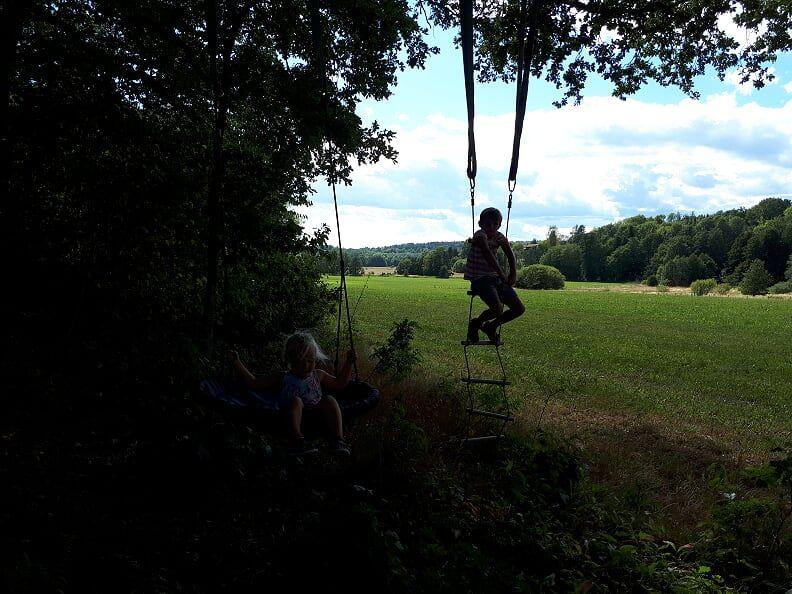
(506, 246)
(262, 382)
(336, 384)
(481, 242)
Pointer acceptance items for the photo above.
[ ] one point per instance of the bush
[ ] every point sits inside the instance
(662, 288)
(722, 288)
(651, 280)
(444, 272)
(540, 276)
(703, 287)
(734, 278)
(781, 288)
(397, 357)
(756, 280)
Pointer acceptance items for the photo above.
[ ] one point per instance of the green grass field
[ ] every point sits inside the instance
(699, 363)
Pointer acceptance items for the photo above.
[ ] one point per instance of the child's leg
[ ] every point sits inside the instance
(516, 309)
(295, 410)
(332, 414)
(489, 295)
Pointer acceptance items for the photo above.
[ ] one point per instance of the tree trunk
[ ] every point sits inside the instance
(216, 172)
(221, 85)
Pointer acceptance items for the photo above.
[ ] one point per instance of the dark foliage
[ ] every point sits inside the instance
(756, 280)
(155, 153)
(670, 43)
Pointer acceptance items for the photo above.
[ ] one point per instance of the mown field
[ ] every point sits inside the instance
(713, 366)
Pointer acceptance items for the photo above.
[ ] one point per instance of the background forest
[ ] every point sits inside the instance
(674, 250)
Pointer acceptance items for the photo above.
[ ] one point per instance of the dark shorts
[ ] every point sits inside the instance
(491, 289)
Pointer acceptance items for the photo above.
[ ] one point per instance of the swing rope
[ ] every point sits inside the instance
(524, 59)
(466, 11)
(343, 294)
(526, 50)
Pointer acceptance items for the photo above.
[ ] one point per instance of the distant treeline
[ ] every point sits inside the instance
(430, 258)
(671, 249)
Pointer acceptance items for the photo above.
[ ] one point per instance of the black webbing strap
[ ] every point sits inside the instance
(525, 57)
(320, 68)
(466, 19)
(466, 25)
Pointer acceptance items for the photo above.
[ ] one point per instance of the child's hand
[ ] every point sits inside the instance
(233, 356)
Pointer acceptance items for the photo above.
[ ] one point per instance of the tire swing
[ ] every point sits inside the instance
(526, 45)
(358, 397)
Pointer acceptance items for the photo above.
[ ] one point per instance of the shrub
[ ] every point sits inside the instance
(722, 288)
(397, 357)
(756, 280)
(651, 280)
(734, 278)
(703, 287)
(781, 288)
(540, 276)
(788, 272)
(443, 272)
(662, 288)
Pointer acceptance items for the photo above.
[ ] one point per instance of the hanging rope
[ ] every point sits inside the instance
(343, 288)
(524, 59)
(321, 72)
(466, 18)
(466, 12)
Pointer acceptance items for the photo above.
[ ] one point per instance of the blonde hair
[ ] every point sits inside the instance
(299, 344)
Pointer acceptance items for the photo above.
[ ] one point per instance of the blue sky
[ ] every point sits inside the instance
(590, 164)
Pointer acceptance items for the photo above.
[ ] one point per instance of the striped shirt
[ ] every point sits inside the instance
(477, 266)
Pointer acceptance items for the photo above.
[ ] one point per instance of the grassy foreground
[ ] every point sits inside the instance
(712, 365)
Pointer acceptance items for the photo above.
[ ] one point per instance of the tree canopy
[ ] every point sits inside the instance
(154, 152)
(628, 43)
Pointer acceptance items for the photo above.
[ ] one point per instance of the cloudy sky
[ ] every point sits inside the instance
(591, 164)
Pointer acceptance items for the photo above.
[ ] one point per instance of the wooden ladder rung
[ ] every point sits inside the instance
(494, 343)
(492, 382)
(490, 414)
(482, 438)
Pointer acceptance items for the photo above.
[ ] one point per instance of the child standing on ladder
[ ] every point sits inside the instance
(488, 281)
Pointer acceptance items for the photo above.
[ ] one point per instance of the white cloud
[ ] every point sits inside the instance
(363, 226)
(588, 164)
(788, 87)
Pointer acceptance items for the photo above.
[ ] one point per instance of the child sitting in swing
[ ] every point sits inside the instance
(488, 281)
(300, 390)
